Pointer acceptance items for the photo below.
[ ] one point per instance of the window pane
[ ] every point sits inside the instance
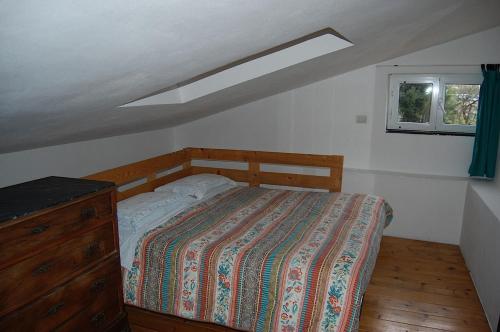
(460, 104)
(415, 102)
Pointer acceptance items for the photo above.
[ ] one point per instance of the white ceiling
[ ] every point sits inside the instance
(66, 66)
(251, 69)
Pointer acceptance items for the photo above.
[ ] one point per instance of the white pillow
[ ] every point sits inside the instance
(196, 186)
(136, 210)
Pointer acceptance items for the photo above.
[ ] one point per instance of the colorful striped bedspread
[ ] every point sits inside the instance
(262, 260)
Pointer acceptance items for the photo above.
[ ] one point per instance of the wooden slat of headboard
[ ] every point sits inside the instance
(295, 180)
(336, 178)
(218, 154)
(333, 182)
(285, 158)
(148, 169)
(142, 169)
(237, 175)
(281, 179)
(151, 185)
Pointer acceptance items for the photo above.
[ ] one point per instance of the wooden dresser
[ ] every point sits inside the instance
(59, 257)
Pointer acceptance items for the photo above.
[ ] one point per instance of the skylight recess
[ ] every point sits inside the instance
(267, 64)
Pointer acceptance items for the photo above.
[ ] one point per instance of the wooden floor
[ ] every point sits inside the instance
(416, 286)
(421, 286)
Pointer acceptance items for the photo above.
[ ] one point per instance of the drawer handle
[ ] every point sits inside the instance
(98, 285)
(98, 319)
(55, 309)
(44, 268)
(88, 213)
(91, 250)
(39, 229)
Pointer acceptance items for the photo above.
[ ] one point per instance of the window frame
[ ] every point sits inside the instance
(395, 81)
(465, 79)
(436, 124)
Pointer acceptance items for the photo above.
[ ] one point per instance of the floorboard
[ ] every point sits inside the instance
(416, 286)
(421, 286)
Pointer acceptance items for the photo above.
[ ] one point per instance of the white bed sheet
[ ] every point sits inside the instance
(129, 237)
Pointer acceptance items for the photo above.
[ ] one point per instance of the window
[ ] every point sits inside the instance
(433, 103)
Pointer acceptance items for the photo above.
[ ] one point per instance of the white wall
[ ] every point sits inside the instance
(480, 243)
(299, 120)
(481, 249)
(83, 158)
(422, 176)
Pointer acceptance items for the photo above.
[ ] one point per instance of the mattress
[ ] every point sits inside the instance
(262, 260)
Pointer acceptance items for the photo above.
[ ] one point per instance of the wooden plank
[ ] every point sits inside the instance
(417, 251)
(234, 174)
(220, 154)
(426, 320)
(336, 179)
(398, 293)
(280, 158)
(299, 159)
(422, 279)
(141, 169)
(147, 320)
(428, 255)
(138, 328)
(417, 268)
(457, 290)
(410, 243)
(425, 279)
(165, 322)
(373, 324)
(456, 269)
(254, 174)
(186, 164)
(421, 307)
(150, 186)
(295, 180)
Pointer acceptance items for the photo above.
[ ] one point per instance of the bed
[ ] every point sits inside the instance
(246, 257)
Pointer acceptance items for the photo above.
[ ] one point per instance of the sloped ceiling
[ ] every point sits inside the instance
(66, 66)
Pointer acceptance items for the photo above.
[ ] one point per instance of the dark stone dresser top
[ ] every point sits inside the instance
(25, 198)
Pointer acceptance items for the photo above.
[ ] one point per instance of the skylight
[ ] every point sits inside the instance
(267, 64)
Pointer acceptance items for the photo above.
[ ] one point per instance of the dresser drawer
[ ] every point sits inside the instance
(96, 317)
(40, 273)
(22, 238)
(51, 310)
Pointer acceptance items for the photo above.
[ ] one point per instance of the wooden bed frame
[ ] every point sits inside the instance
(148, 172)
(146, 175)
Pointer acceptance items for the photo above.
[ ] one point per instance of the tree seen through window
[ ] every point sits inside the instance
(415, 102)
(460, 104)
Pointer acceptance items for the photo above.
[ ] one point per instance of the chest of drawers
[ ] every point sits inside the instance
(59, 257)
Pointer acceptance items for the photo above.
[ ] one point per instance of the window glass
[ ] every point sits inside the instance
(415, 101)
(460, 104)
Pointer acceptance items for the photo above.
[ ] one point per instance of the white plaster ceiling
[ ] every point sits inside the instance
(66, 66)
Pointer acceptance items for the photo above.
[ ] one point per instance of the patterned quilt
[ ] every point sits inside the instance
(262, 260)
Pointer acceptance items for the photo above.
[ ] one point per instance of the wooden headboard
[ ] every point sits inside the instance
(150, 170)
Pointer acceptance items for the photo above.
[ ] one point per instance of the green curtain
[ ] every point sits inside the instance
(484, 156)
